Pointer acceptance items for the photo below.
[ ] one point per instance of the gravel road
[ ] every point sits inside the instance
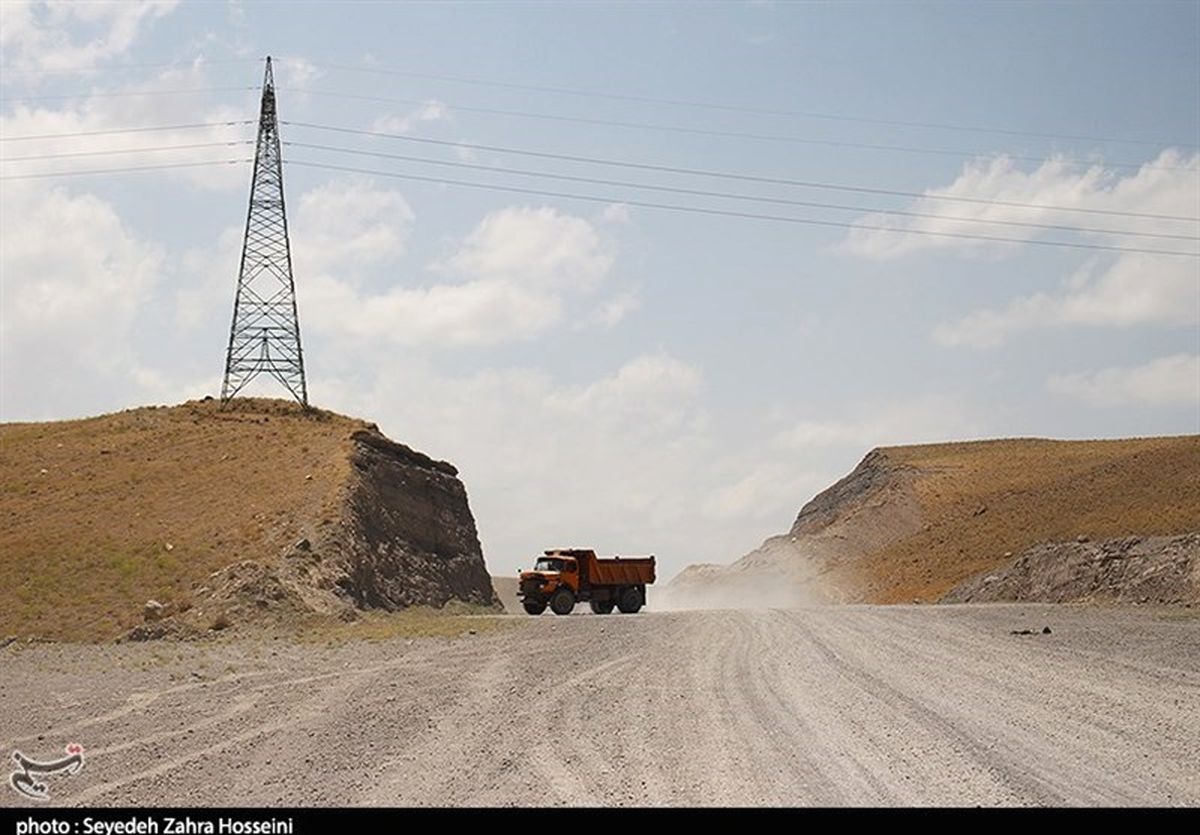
(849, 705)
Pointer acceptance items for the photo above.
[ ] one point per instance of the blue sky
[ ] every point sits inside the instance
(605, 374)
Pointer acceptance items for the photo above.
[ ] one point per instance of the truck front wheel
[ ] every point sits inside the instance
(562, 602)
(534, 607)
(630, 602)
(602, 607)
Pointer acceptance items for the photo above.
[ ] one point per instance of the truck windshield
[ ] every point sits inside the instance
(545, 564)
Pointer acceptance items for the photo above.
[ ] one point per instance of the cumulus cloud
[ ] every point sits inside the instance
(437, 316)
(75, 279)
(1117, 290)
(918, 420)
(142, 104)
(541, 247)
(614, 309)
(348, 223)
(597, 463)
(1166, 381)
(1132, 290)
(1164, 186)
(429, 111)
(511, 279)
(66, 35)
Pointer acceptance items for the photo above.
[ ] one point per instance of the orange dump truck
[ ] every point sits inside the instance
(563, 577)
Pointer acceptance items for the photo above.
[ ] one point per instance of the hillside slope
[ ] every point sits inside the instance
(911, 523)
(223, 515)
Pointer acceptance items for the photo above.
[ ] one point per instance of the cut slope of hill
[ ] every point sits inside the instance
(910, 523)
(218, 514)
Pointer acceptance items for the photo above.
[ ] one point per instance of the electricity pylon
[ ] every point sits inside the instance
(265, 334)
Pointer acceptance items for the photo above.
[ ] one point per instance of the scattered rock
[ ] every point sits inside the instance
(153, 610)
(167, 546)
(160, 630)
(303, 545)
(1082, 538)
(979, 511)
(1045, 630)
(6, 641)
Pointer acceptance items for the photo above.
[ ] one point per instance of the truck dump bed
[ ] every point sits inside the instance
(623, 571)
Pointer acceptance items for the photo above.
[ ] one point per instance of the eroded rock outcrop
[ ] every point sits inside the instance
(1132, 569)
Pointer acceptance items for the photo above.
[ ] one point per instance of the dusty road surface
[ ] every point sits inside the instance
(854, 705)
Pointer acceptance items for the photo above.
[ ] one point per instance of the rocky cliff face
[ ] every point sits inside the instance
(408, 536)
(404, 536)
(1132, 569)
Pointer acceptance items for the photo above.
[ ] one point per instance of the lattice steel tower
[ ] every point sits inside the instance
(265, 335)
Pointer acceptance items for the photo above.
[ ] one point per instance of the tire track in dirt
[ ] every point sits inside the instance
(841, 705)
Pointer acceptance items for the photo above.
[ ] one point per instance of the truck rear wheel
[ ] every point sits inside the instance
(562, 602)
(630, 601)
(534, 607)
(604, 607)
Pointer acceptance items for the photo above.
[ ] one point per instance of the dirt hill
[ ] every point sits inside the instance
(222, 516)
(911, 523)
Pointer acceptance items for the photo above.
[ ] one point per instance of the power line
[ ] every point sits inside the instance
(126, 130)
(734, 196)
(727, 134)
(734, 175)
(153, 149)
(742, 108)
(90, 70)
(126, 93)
(123, 170)
(729, 213)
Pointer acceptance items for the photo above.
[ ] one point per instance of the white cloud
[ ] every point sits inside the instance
(1118, 289)
(539, 247)
(615, 213)
(1164, 186)
(919, 420)
(1166, 381)
(1133, 290)
(67, 35)
(348, 223)
(294, 72)
(442, 315)
(611, 463)
(74, 279)
(612, 310)
(150, 107)
(512, 278)
(429, 111)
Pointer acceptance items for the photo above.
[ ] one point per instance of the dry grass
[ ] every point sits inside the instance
(99, 515)
(982, 500)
